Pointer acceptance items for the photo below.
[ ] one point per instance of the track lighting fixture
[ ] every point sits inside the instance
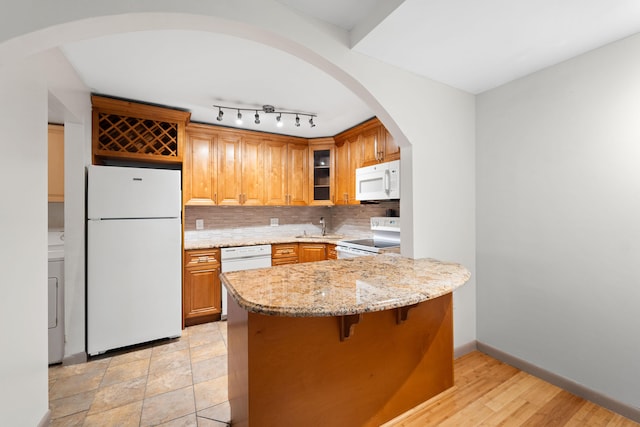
(266, 109)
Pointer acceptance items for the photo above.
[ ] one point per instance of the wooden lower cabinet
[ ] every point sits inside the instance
(284, 253)
(331, 251)
(201, 289)
(311, 252)
(293, 253)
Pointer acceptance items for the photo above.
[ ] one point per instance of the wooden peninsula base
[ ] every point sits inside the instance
(296, 371)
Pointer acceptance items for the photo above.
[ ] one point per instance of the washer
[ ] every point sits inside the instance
(55, 285)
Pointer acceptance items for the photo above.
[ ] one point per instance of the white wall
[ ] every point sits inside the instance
(23, 248)
(73, 97)
(558, 219)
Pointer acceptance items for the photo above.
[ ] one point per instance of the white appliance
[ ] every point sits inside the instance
(134, 284)
(386, 235)
(242, 258)
(55, 292)
(378, 182)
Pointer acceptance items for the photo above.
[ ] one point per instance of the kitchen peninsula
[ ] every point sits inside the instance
(349, 342)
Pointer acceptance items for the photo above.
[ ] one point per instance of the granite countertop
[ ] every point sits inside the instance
(344, 286)
(218, 242)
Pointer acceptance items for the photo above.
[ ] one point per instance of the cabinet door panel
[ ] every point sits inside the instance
(354, 163)
(298, 174)
(342, 173)
(391, 148)
(203, 296)
(347, 161)
(372, 147)
(311, 252)
(199, 172)
(275, 173)
(252, 172)
(229, 170)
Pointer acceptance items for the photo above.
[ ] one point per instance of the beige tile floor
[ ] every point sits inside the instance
(179, 383)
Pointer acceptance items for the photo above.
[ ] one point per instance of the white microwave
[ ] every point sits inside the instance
(378, 182)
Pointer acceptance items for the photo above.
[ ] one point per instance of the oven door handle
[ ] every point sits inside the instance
(353, 251)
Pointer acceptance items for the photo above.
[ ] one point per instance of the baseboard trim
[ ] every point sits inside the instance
(46, 419)
(75, 359)
(465, 349)
(616, 406)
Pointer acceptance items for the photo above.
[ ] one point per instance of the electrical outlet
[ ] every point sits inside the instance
(274, 222)
(199, 224)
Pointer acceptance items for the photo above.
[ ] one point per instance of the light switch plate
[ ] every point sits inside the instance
(199, 224)
(274, 222)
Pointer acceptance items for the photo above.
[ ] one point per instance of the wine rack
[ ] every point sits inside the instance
(124, 130)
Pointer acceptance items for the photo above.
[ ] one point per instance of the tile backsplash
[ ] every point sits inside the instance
(348, 220)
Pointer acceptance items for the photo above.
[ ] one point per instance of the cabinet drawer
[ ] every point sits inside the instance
(201, 257)
(284, 261)
(284, 250)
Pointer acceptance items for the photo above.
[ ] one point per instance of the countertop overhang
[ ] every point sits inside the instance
(343, 287)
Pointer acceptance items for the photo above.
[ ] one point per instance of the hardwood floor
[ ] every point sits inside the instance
(487, 392)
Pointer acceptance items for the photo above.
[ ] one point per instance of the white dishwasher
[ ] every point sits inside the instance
(242, 258)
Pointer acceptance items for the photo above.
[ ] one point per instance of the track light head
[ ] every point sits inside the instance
(257, 120)
(297, 121)
(311, 123)
(220, 114)
(239, 118)
(279, 121)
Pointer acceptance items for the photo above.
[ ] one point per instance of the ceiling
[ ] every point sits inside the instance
(468, 44)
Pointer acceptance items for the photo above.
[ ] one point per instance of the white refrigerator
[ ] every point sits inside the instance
(134, 280)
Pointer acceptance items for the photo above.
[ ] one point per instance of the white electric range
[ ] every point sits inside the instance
(386, 235)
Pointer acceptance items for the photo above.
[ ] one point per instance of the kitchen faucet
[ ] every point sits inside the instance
(324, 225)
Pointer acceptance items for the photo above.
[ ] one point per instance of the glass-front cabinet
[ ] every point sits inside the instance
(322, 171)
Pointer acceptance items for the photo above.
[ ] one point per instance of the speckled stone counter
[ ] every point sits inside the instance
(226, 242)
(343, 287)
(351, 342)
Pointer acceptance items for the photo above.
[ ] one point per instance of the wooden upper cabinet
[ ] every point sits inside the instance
(347, 161)
(322, 171)
(224, 167)
(252, 179)
(391, 148)
(275, 173)
(377, 144)
(199, 169)
(56, 163)
(229, 169)
(298, 174)
(372, 146)
(130, 131)
(285, 167)
(363, 145)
